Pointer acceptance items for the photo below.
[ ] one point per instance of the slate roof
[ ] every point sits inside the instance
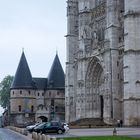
(40, 83)
(23, 77)
(56, 77)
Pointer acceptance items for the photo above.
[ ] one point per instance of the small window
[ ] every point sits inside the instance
(13, 92)
(58, 93)
(20, 91)
(52, 102)
(56, 108)
(42, 93)
(120, 39)
(49, 93)
(38, 94)
(29, 92)
(118, 76)
(32, 108)
(117, 63)
(19, 108)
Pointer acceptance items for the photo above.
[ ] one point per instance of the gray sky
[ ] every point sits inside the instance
(38, 26)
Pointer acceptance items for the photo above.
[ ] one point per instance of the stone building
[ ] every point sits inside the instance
(37, 99)
(103, 60)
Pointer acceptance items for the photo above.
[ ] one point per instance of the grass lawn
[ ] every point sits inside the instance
(101, 138)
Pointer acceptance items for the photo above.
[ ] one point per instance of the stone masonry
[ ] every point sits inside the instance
(103, 60)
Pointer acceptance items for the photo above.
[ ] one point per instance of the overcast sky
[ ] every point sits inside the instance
(38, 26)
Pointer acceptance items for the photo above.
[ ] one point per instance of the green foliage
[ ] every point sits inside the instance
(5, 91)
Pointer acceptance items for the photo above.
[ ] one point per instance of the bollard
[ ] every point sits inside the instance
(39, 136)
(114, 132)
(43, 137)
(22, 131)
(48, 137)
(35, 136)
(25, 132)
(15, 129)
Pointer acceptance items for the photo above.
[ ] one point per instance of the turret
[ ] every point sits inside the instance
(55, 94)
(56, 77)
(22, 96)
(23, 77)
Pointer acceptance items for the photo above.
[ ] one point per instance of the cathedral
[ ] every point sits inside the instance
(35, 99)
(103, 61)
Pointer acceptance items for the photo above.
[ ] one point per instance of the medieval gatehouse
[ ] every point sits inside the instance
(35, 99)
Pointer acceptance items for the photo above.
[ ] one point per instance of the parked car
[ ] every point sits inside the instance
(66, 127)
(50, 127)
(30, 128)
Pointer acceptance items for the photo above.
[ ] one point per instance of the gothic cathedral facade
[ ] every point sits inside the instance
(103, 60)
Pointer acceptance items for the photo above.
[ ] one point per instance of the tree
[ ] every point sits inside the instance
(5, 91)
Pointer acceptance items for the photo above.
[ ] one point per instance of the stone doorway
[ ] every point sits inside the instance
(95, 90)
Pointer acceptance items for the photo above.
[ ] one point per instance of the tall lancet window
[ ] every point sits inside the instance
(19, 108)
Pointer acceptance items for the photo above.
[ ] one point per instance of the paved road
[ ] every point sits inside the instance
(101, 132)
(6, 134)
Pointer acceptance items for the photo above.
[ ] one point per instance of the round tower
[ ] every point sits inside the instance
(22, 96)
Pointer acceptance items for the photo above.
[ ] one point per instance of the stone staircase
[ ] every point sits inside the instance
(88, 123)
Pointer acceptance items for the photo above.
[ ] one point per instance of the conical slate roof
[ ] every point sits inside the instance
(56, 78)
(23, 77)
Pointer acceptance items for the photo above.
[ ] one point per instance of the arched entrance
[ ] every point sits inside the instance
(43, 118)
(94, 90)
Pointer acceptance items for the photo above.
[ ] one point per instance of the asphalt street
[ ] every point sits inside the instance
(132, 132)
(6, 134)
